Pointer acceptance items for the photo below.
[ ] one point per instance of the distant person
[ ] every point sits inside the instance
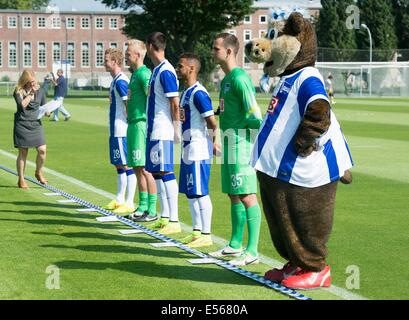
(118, 97)
(28, 131)
(60, 91)
(329, 87)
(48, 81)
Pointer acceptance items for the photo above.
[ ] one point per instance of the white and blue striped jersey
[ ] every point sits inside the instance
(274, 152)
(195, 106)
(118, 94)
(162, 86)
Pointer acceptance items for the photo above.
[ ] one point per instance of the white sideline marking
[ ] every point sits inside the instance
(107, 219)
(86, 210)
(202, 261)
(66, 201)
(163, 244)
(130, 231)
(51, 194)
(337, 291)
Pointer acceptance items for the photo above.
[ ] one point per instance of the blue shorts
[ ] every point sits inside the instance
(194, 178)
(117, 151)
(159, 156)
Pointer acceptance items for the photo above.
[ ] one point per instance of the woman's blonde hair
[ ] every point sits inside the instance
(25, 78)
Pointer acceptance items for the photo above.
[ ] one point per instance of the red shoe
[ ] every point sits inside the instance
(278, 275)
(305, 279)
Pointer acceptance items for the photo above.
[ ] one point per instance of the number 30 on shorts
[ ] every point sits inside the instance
(137, 155)
(236, 180)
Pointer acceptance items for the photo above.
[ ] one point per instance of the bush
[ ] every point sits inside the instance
(5, 79)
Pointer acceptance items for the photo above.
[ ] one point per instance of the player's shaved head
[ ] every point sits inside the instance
(192, 59)
(229, 41)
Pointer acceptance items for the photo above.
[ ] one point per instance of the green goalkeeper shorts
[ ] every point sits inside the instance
(136, 144)
(238, 177)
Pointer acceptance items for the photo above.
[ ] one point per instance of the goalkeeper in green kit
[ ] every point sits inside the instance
(239, 115)
(136, 134)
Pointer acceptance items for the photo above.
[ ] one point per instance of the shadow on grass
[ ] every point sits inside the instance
(43, 204)
(118, 249)
(99, 236)
(210, 274)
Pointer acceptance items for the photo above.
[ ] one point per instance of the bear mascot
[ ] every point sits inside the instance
(300, 153)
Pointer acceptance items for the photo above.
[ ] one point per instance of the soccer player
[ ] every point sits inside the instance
(239, 114)
(196, 116)
(118, 95)
(163, 129)
(136, 133)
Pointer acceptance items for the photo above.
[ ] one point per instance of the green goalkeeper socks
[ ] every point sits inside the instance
(238, 220)
(143, 202)
(253, 227)
(152, 203)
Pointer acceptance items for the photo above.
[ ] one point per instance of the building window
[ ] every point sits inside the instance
(70, 23)
(71, 53)
(56, 51)
(85, 23)
(56, 23)
(247, 19)
(42, 55)
(262, 33)
(99, 23)
(41, 22)
(12, 22)
(263, 19)
(12, 54)
(27, 54)
(113, 45)
(1, 22)
(99, 54)
(26, 22)
(1, 54)
(113, 23)
(85, 54)
(247, 35)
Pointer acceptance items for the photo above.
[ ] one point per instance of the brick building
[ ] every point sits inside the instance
(39, 39)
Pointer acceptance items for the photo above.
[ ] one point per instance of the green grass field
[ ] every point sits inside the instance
(96, 262)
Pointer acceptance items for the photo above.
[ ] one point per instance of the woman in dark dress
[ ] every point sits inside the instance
(28, 131)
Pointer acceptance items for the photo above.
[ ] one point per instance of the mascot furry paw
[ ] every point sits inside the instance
(300, 153)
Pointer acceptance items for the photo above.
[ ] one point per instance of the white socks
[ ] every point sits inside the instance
(131, 187)
(122, 181)
(201, 211)
(163, 200)
(172, 193)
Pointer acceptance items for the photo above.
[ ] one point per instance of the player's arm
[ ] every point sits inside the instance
(245, 90)
(203, 104)
(122, 89)
(174, 109)
(170, 88)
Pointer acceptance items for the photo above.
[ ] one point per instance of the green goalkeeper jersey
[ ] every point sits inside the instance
(138, 87)
(238, 105)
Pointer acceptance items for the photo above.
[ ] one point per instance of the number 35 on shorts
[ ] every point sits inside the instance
(236, 180)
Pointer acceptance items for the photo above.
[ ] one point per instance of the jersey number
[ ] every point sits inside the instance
(236, 180)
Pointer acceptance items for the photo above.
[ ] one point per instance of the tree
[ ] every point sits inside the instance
(378, 15)
(23, 4)
(401, 10)
(189, 26)
(332, 31)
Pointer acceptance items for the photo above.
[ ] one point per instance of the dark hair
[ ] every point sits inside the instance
(157, 39)
(229, 41)
(192, 58)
